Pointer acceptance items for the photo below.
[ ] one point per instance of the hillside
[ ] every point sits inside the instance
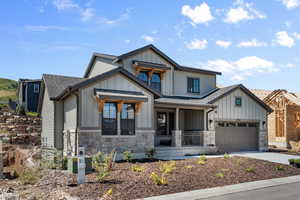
(8, 89)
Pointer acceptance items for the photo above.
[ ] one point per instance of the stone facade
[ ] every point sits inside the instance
(209, 138)
(263, 140)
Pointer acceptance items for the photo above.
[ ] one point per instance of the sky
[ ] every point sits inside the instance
(253, 42)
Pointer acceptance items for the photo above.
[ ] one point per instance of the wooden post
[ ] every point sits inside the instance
(101, 105)
(120, 105)
(138, 107)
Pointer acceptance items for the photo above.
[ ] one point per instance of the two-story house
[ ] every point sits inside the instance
(143, 99)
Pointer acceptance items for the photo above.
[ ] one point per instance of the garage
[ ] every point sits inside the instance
(237, 136)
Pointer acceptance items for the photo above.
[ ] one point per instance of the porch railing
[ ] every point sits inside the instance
(192, 138)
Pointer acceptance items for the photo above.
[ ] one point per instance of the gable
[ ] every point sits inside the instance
(99, 66)
(279, 99)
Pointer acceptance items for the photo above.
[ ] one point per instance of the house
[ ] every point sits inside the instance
(284, 122)
(143, 99)
(28, 94)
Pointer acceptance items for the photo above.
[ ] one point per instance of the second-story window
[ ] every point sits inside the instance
(193, 85)
(143, 76)
(156, 81)
(36, 88)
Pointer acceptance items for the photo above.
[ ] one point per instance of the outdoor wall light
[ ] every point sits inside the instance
(264, 122)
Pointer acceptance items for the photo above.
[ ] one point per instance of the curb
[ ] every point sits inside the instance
(229, 189)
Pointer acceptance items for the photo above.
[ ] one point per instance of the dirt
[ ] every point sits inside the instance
(127, 184)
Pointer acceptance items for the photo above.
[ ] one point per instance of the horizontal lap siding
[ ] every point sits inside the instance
(150, 56)
(90, 115)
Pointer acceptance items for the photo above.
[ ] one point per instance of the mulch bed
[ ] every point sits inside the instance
(127, 184)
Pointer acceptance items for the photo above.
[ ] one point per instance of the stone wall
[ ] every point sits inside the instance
(12, 123)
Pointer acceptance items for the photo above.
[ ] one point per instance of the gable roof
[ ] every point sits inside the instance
(221, 92)
(110, 73)
(292, 97)
(56, 84)
(116, 59)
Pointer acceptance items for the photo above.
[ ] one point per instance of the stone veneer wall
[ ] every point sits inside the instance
(263, 140)
(94, 142)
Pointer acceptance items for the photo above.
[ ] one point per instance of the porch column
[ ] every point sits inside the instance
(177, 134)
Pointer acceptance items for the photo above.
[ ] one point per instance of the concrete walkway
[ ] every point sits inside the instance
(237, 189)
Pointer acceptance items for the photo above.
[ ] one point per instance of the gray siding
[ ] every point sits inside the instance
(70, 113)
(250, 109)
(59, 124)
(100, 66)
(150, 56)
(47, 121)
(90, 117)
(207, 83)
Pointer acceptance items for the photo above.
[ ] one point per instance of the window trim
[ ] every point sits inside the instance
(235, 101)
(116, 120)
(159, 75)
(146, 72)
(192, 88)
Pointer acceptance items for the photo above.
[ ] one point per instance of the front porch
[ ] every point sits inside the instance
(182, 126)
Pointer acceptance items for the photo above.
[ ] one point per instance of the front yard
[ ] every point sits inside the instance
(184, 175)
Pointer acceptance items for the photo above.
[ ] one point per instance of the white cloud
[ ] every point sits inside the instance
(296, 35)
(243, 67)
(64, 4)
(252, 43)
(290, 4)
(224, 44)
(124, 16)
(197, 44)
(290, 65)
(242, 11)
(87, 14)
(199, 15)
(44, 28)
(283, 39)
(148, 38)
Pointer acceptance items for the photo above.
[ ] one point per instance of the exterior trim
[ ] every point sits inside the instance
(150, 64)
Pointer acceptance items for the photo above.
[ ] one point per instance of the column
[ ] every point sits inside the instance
(177, 134)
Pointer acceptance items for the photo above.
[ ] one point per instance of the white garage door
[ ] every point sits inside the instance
(237, 136)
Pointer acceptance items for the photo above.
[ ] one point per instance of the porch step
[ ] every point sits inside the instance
(183, 151)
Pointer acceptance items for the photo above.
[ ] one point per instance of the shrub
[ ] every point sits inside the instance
(137, 168)
(239, 161)
(158, 180)
(189, 167)
(108, 194)
(224, 170)
(167, 167)
(103, 164)
(32, 114)
(220, 175)
(226, 156)
(201, 162)
(21, 110)
(291, 161)
(127, 156)
(250, 169)
(203, 157)
(29, 176)
(279, 168)
(150, 153)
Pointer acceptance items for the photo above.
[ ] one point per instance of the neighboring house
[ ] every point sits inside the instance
(143, 99)
(29, 93)
(284, 122)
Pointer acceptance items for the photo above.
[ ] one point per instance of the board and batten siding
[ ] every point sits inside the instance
(100, 66)
(207, 83)
(151, 56)
(70, 113)
(250, 109)
(47, 114)
(90, 116)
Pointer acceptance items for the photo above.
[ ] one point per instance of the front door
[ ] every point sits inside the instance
(165, 123)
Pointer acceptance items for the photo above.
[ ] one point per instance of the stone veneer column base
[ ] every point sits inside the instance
(263, 140)
(209, 138)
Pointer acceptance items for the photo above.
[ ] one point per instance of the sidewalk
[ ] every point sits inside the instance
(219, 191)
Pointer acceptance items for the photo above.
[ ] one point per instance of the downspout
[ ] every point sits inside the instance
(207, 117)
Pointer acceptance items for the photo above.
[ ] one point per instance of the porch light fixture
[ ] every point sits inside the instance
(210, 121)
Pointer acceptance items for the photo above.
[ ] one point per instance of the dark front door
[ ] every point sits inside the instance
(165, 123)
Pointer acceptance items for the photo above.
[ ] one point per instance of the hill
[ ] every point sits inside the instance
(8, 89)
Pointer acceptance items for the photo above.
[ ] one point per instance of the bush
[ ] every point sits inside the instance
(21, 110)
(167, 167)
(158, 180)
(291, 161)
(137, 168)
(250, 169)
(226, 156)
(188, 167)
(103, 164)
(201, 162)
(279, 168)
(203, 158)
(150, 153)
(32, 114)
(220, 175)
(127, 156)
(29, 176)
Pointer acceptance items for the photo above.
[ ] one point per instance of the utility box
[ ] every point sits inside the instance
(81, 166)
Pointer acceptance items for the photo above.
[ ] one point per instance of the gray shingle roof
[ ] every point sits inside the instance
(218, 93)
(55, 84)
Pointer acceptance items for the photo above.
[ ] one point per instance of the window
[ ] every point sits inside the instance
(156, 82)
(36, 88)
(143, 76)
(193, 85)
(127, 120)
(109, 119)
(238, 101)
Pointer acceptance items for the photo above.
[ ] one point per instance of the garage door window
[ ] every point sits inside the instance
(238, 101)
(242, 124)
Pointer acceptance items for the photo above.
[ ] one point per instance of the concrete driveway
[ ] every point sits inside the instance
(268, 156)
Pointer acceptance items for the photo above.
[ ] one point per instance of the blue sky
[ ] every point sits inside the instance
(254, 42)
